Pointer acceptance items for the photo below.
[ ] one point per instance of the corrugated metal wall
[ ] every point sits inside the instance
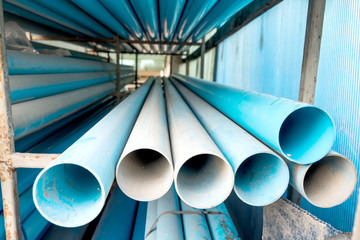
(266, 55)
(338, 92)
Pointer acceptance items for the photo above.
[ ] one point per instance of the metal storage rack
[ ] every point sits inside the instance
(10, 160)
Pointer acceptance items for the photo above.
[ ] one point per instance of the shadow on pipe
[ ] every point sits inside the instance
(326, 183)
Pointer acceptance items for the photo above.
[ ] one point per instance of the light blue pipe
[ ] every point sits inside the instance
(194, 12)
(98, 11)
(169, 226)
(123, 11)
(44, 12)
(117, 219)
(85, 171)
(301, 132)
(29, 141)
(221, 227)
(29, 63)
(139, 226)
(29, 87)
(220, 13)
(35, 226)
(151, 216)
(195, 225)
(32, 115)
(18, 11)
(169, 13)
(71, 11)
(261, 176)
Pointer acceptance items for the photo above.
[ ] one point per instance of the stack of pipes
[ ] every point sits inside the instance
(48, 93)
(206, 140)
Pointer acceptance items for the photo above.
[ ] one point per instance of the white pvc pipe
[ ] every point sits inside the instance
(145, 170)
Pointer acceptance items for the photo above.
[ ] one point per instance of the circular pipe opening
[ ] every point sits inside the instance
(306, 135)
(144, 175)
(329, 182)
(68, 195)
(204, 181)
(261, 179)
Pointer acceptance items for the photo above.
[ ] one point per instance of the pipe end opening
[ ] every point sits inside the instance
(68, 195)
(306, 135)
(330, 182)
(261, 179)
(144, 175)
(204, 181)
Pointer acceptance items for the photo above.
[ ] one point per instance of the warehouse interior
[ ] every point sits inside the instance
(93, 89)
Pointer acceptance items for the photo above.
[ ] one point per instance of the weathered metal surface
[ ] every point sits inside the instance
(9, 188)
(32, 160)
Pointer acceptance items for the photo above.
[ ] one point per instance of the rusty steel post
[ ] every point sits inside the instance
(9, 186)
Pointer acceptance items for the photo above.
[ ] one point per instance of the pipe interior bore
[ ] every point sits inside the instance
(204, 181)
(329, 182)
(68, 195)
(144, 175)
(261, 179)
(306, 135)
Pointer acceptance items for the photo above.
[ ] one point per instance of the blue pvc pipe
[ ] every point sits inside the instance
(33, 115)
(18, 11)
(219, 14)
(38, 9)
(85, 171)
(169, 13)
(301, 132)
(147, 12)
(169, 226)
(261, 176)
(75, 14)
(30, 63)
(195, 225)
(29, 141)
(35, 226)
(98, 11)
(60, 233)
(221, 227)
(123, 11)
(117, 219)
(194, 12)
(139, 226)
(29, 87)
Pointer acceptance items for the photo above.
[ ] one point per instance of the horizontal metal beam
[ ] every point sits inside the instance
(32, 160)
(239, 20)
(110, 40)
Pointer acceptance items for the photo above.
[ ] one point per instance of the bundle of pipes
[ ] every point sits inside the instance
(170, 218)
(300, 133)
(33, 224)
(56, 87)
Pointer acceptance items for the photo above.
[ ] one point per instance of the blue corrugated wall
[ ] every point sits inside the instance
(266, 56)
(338, 92)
